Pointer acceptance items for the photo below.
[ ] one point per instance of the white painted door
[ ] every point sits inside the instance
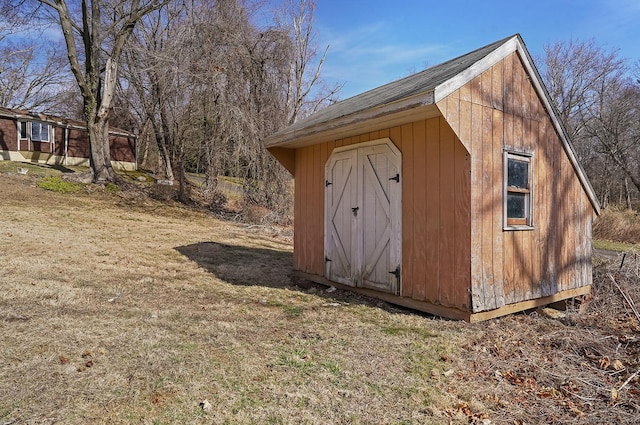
(363, 216)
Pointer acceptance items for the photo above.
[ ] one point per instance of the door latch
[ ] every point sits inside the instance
(354, 210)
(396, 272)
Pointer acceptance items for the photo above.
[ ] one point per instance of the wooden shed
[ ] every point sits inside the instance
(454, 191)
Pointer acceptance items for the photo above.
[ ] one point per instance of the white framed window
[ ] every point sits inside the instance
(518, 191)
(35, 130)
(23, 130)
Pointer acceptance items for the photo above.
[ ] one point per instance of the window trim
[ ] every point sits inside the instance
(525, 223)
(29, 131)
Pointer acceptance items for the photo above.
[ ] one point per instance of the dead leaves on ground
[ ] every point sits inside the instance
(84, 362)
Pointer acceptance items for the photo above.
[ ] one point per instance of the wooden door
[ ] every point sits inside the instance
(362, 216)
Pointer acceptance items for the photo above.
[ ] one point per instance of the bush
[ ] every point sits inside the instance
(615, 224)
(56, 184)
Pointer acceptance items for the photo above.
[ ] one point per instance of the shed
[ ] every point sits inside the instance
(454, 191)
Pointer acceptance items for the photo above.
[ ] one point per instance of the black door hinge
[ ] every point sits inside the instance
(327, 183)
(327, 259)
(396, 178)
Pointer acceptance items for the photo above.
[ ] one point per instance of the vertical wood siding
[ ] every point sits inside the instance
(499, 110)
(436, 228)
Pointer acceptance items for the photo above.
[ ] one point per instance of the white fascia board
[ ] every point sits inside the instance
(459, 80)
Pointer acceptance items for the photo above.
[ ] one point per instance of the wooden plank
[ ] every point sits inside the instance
(465, 96)
(486, 89)
(419, 215)
(447, 205)
(508, 84)
(432, 210)
(462, 227)
(495, 193)
(298, 195)
(395, 134)
(478, 206)
(537, 243)
(529, 304)
(453, 111)
(497, 89)
(307, 211)
(451, 313)
(488, 210)
(317, 201)
(408, 239)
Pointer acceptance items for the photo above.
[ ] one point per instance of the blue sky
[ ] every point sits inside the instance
(373, 42)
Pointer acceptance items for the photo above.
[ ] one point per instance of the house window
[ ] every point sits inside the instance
(39, 132)
(517, 191)
(35, 130)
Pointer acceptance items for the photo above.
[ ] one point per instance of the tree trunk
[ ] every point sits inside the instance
(627, 193)
(99, 146)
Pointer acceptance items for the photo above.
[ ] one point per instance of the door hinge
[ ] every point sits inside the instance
(327, 183)
(327, 259)
(396, 178)
(354, 210)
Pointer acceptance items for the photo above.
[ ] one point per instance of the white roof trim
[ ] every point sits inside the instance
(454, 83)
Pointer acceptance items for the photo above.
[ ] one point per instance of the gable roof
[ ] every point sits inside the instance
(416, 96)
(409, 92)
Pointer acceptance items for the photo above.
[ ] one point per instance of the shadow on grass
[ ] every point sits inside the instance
(254, 266)
(241, 265)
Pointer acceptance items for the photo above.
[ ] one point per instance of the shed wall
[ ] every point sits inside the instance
(436, 253)
(501, 109)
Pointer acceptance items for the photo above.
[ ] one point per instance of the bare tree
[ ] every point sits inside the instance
(306, 91)
(27, 79)
(598, 103)
(103, 28)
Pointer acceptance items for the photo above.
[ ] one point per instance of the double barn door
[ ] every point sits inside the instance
(363, 216)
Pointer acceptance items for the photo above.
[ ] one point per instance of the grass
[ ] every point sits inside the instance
(615, 245)
(176, 307)
(118, 309)
(56, 184)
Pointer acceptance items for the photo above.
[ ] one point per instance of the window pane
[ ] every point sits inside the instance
(44, 132)
(518, 173)
(23, 130)
(35, 131)
(516, 205)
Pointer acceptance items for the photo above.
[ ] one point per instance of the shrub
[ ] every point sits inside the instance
(56, 184)
(615, 224)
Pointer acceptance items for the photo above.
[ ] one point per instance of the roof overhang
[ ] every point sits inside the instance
(410, 109)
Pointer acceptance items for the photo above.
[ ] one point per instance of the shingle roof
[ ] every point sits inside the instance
(421, 82)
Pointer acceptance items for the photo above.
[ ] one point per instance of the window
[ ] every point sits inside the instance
(35, 130)
(39, 131)
(517, 191)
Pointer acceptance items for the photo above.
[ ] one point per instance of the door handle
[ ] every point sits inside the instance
(354, 210)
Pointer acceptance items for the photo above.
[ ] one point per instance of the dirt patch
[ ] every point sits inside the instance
(116, 308)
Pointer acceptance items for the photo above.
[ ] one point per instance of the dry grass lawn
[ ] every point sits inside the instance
(115, 308)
